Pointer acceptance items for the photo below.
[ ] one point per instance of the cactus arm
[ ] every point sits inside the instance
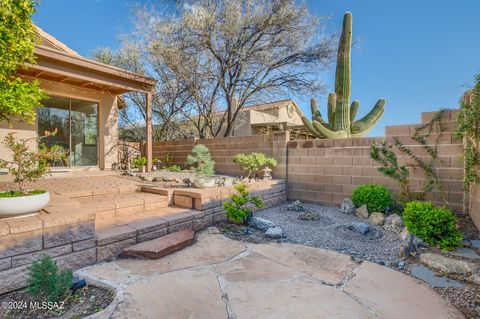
(332, 104)
(328, 133)
(316, 115)
(310, 127)
(366, 123)
(354, 109)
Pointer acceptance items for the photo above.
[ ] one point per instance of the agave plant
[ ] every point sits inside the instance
(341, 114)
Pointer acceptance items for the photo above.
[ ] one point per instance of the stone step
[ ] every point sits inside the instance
(160, 247)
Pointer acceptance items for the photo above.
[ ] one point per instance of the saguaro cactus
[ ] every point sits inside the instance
(341, 114)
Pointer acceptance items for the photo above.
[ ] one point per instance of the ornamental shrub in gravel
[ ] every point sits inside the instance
(435, 225)
(376, 197)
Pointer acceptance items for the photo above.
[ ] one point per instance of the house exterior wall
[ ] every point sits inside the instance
(107, 121)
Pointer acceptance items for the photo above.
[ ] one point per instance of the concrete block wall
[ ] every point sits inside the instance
(474, 204)
(326, 171)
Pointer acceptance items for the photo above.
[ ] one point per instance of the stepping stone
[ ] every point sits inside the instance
(425, 274)
(160, 247)
(466, 253)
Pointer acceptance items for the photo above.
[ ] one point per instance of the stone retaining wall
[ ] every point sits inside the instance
(474, 204)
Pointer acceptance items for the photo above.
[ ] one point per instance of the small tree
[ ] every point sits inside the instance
(202, 160)
(27, 165)
(236, 209)
(46, 282)
(18, 99)
(253, 162)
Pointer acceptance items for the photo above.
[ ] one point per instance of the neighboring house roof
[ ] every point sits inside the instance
(57, 62)
(267, 106)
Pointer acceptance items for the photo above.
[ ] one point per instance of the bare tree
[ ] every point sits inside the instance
(213, 57)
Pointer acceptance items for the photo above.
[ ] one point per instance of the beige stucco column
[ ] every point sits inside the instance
(148, 131)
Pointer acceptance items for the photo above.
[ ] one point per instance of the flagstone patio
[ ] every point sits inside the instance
(221, 278)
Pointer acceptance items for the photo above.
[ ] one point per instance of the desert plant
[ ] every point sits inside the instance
(236, 208)
(435, 225)
(172, 168)
(253, 162)
(46, 282)
(377, 197)
(390, 166)
(139, 162)
(27, 165)
(202, 160)
(468, 129)
(341, 114)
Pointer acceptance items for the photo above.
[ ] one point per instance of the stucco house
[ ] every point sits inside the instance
(82, 105)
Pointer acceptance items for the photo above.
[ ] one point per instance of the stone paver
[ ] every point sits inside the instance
(466, 253)
(425, 274)
(221, 278)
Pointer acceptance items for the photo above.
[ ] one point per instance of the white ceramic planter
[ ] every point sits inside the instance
(204, 182)
(23, 205)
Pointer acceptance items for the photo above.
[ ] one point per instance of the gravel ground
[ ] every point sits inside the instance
(331, 232)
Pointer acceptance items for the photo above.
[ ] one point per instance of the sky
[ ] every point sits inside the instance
(418, 55)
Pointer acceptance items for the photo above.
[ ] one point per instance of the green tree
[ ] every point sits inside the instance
(18, 99)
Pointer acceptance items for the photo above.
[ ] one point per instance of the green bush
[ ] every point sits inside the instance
(435, 225)
(47, 282)
(253, 162)
(139, 162)
(202, 160)
(235, 208)
(172, 168)
(376, 197)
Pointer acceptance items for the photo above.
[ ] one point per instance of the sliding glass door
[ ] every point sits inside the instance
(75, 122)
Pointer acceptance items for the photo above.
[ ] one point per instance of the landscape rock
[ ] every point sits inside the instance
(296, 206)
(474, 279)
(377, 218)
(448, 265)
(309, 215)
(404, 233)
(347, 206)
(393, 223)
(431, 278)
(274, 232)
(362, 212)
(466, 253)
(410, 245)
(359, 227)
(475, 243)
(260, 223)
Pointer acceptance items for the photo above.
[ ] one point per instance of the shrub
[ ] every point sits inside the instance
(376, 197)
(236, 210)
(172, 168)
(202, 160)
(27, 165)
(435, 225)
(253, 162)
(47, 282)
(139, 162)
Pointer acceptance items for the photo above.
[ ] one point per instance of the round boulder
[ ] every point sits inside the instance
(347, 206)
(393, 223)
(377, 218)
(362, 212)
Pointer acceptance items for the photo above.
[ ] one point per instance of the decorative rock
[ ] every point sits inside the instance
(404, 233)
(475, 243)
(474, 279)
(359, 227)
(274, 232)
(466, 243)
(393, 223)
(448, 265)
(362, 212)
(401, 265)
(296, 206)
(260, 223)
(425, 274)
(347, 206)
(377, 218)
(466, 253)
(309, 215)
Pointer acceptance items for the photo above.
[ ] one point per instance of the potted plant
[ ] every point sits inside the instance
(253, 162)
(139, 163)
(203, 165)
(26, 166)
